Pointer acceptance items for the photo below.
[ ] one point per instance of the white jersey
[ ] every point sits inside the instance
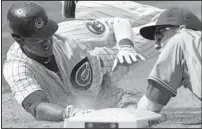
(92, 33)
(85, 69)
(92, 65)
(180, 63)
(137, 14)
(82, 73)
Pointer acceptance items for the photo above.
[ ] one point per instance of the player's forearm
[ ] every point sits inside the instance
(155, 97)
(149, 105)
(122, 30)
(49, 112)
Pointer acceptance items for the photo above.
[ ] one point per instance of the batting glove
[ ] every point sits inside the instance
(127, 55)
(71, 112)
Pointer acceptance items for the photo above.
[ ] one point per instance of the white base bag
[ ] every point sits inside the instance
(115, 118)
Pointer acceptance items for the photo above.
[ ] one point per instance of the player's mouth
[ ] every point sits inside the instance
(46, 47)
(160, 50)
(48, 50)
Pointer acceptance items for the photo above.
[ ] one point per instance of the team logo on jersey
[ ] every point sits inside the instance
(81, 75)
(39, 23)
(95, 27)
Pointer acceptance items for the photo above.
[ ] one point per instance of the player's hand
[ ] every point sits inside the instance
(127, 55)
(71, 112)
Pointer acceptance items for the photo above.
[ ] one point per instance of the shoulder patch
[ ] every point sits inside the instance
(81, 76)
(95, 26)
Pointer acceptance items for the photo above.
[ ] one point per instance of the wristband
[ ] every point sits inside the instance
(67, 112)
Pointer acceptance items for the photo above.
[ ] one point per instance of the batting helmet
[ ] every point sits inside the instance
(29, 19)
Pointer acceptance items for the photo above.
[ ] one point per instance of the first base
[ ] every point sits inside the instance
(115, 118)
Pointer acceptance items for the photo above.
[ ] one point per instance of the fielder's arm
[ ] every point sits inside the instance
(155, 98)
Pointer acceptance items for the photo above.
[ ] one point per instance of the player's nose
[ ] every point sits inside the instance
(48, 41)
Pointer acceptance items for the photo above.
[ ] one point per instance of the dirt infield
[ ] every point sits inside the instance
(184, 110)
(179, 114)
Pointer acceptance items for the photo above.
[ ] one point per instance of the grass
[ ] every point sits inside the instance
(53, 9)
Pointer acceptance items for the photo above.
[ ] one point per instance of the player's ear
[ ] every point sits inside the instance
(17, 38)
(181, 27)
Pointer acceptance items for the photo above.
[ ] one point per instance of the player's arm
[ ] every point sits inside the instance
(166, 76)
(28, 92)
(155, 98)
(123, 33)
(38, 105)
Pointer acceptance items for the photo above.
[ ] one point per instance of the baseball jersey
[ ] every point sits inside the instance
(79, 63)
(180, 63)
(81, 71)
(83, 66)
(91, 33)
(137, 14)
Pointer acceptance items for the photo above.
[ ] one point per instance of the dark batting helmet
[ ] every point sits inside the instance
(29, 19)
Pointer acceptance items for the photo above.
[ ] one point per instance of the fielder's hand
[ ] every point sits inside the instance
(71, 112)
(127, 55)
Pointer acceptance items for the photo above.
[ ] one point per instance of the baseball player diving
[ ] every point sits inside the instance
(51, 67)
(177, 36)
(165, 77)
(54, 76)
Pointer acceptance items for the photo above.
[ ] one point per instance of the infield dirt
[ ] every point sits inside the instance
(184, 110)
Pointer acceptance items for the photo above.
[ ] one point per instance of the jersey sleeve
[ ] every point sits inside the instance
(92, 33)
(138, 14)
(20, 78)
(102, 32)
(168, 70)
(31, 102)
(158, 94)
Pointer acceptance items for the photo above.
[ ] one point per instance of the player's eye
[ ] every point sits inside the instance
(39, 40)
(159, 33)
(158, 36)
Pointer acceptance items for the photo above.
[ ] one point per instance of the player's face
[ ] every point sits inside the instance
(162, 35)
(39, 47)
